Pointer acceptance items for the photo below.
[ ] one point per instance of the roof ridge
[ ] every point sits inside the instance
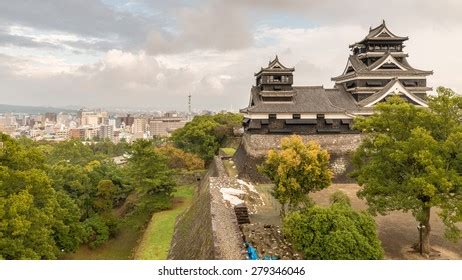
(320, 86)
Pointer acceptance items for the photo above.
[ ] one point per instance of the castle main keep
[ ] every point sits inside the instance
(376, 69)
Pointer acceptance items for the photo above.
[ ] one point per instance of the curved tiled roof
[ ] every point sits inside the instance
(375, 32)
(380, 94)
(307, 99)
(363, 69)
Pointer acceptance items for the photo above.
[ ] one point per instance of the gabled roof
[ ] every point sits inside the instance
(307, 99)
(386, 59)
(275, 66)
(362, 69)
(380, 33)
(394, 87)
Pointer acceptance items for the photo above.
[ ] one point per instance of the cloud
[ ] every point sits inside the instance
(118, 79)
(217, 25)
(23, 41)
(151, 54)
(363, 12)
(85, 17)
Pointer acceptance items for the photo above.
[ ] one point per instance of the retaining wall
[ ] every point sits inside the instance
(208, 229)
(254, 147)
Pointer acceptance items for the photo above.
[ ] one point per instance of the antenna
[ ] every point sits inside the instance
(189, 103)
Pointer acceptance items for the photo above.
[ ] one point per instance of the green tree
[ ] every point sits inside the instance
(72, 151)
(20, 157)
(109, 148)
(227, 123)
(35, 222)
(198, 137)
(204, 134)
(74, 180)
(54, 197)
(150, 174)
(179, 159)
(336, 232)
(68, 231)
(410, 160)
(105, 192)
(98, 229)
(296, 169)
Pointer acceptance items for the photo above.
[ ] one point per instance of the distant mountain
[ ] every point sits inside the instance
(32, 109)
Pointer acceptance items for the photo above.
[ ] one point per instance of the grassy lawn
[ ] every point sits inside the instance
(157, 238)
(228, 151)
(131, 230)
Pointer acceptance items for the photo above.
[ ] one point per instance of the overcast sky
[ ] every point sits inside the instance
(152, 53)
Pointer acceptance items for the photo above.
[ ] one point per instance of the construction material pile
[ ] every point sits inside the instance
(269, 242)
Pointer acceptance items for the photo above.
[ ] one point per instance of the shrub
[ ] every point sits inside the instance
(334, 232)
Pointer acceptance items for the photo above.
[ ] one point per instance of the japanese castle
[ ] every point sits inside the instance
(376, 69)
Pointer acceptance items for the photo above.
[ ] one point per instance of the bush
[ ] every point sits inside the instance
(179, 159)
(340, 197)
(99, 229)
(336, 232)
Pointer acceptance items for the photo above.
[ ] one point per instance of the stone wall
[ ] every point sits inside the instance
(193, 238)
(208, 229)
(254, 147)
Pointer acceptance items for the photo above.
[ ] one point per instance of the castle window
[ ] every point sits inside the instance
(351, 84)
(336, 124)
(277, 99)
(296, 116)
(277, 79)
(272, 116)
(410, 83)
(374, 83)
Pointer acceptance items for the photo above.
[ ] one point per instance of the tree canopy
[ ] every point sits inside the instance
(410, 160)
(296, 169)
(36, 221)
(179, 159)
(204, 134)
(336, 232)
(150, 174)
(54, 197)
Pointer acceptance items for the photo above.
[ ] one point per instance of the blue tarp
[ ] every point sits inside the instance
(251, 252)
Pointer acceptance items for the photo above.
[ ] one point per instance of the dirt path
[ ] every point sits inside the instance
(397, 230)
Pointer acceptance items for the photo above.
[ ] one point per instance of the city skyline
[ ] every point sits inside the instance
(150, 54)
